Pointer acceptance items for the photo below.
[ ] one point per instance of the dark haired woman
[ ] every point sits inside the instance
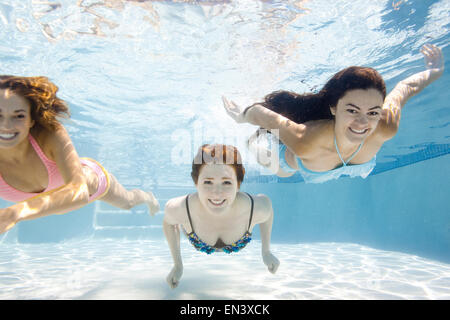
(39, 166)
(339, 130)
(218, 217)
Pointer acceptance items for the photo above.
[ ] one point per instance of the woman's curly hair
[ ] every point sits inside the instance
(40, 92)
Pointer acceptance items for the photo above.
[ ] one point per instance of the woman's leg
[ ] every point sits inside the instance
(122, 198)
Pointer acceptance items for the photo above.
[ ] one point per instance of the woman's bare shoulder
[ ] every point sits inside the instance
(175, 210)
(51, 141)
(316, 135)
(262, 209)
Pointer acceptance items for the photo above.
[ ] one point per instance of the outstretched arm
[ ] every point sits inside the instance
(290, 133)
(407, 88)
(172, 233)
(73, 195)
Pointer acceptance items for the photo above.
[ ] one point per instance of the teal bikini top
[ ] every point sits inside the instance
(227, 248)
(352, 170)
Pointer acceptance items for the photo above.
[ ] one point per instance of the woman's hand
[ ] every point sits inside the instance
(153, 204)
(434, 58)
(270, 261)
(8, 219)
(173, 279)
(234, 111)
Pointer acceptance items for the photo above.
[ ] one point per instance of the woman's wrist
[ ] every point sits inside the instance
(178, 263)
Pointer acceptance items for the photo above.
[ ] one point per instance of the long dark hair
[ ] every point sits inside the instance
(301, 108)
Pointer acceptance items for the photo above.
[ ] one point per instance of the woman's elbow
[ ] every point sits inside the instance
(79, 192)
(266, 203)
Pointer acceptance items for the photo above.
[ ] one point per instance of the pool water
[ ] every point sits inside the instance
(144, 82)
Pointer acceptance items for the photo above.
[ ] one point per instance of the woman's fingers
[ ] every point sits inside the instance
(233, 110)
(174, 284)
(172, 281)
(433, 56)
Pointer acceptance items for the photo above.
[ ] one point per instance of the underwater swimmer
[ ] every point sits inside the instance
(39, 166)
(339, 130)
(218, 217)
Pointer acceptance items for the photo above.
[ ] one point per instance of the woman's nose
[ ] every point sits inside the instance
(217, 190)
(5, 123)
(362, 120)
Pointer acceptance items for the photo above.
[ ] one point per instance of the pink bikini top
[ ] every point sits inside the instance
(55, 179)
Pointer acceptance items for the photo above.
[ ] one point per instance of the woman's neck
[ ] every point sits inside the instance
(344, 146)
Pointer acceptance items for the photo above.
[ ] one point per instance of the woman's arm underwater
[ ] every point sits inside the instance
(264, 206)
(73, 195)
(172, 233)
(407, 88)
(293, 135)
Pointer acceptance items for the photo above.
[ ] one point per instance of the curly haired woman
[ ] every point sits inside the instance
(39, 167)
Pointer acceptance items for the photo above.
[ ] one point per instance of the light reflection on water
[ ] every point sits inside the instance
(111, 269)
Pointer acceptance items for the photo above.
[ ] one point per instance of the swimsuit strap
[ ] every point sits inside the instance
(251, 214)
(189, 214)
(351, 157)
(39, 151)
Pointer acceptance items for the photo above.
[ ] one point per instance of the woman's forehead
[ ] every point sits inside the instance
(10, 99)
(363, 98)
(217, 170)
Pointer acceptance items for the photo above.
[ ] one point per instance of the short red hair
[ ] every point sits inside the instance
(218, 154)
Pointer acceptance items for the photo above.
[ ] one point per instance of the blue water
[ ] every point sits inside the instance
(144, 81)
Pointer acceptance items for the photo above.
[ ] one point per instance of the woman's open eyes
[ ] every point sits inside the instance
(209, 182)
(371, 113)
(19, 116)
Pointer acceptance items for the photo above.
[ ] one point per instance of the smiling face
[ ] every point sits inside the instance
(217, 187)
(15, 119)
(357, 114)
